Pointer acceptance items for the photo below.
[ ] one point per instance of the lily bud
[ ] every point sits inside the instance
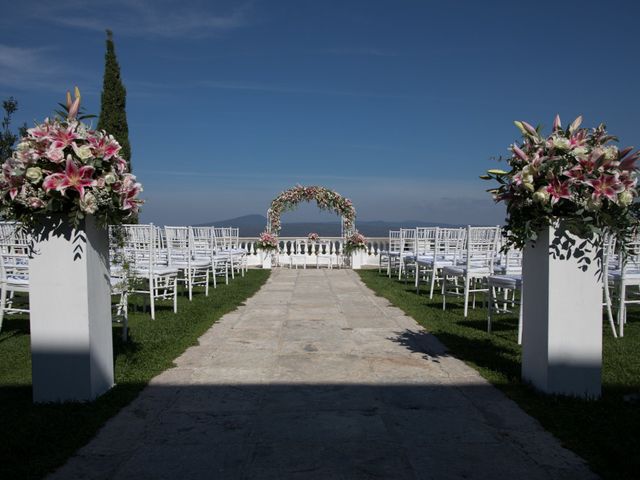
(73, 111)
(520, 127)
(556, 123)
(575, 124)
(529, 128)
(520, 153)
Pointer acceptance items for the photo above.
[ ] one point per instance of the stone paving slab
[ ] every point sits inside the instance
(317, 378)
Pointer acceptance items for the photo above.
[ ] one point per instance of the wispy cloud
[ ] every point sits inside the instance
(144, 18)
(27, 68)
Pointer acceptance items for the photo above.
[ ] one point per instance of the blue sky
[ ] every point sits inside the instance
(399, 105)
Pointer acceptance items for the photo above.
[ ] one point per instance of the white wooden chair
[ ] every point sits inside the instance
(393, 253)
(448, 250)
(323, 254)
(150, 274)
(181, 254)
(204, 246)
(503, 286)
(479, 257)
(407, 252)
(14, 278)
(625, 275)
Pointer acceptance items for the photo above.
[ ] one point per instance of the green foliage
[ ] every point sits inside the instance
(113, 102)
(7, 137)
(603, 432)
(44, 436)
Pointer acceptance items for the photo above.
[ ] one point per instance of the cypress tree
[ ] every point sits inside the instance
(113, 102)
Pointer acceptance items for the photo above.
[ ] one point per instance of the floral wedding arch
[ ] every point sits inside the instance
(325, 198)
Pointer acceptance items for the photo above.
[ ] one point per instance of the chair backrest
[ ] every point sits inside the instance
(14, 262)
(630, 261)
(482, 246)
(12, 233)
(407, 239)
(204, 244)
(425, 240)
(139, 246)
(450, 243)
(394, 240)
(178, 241)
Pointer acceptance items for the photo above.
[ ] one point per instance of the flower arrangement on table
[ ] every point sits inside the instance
(354, 242)
(267, 242)
(325, 198)
(574, 174)
(62, 166)
(313, 237)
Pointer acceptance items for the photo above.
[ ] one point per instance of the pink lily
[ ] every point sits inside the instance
(129, 200)
(558, 190)
(74, 177)
(105, 147)
(608, 186)
(63, 136)
(628, 162)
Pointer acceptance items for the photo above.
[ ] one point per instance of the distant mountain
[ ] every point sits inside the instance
(253, 225)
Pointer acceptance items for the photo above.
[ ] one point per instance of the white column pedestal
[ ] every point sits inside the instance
(357, 259)
(267, 260)
(562, 316)
(70, 303)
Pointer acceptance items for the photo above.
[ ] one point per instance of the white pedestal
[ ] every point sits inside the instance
(562, 315)
(267, 260)
(70, 302)
(357, 259)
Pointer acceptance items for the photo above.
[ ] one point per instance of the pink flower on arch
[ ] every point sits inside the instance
(73, 177)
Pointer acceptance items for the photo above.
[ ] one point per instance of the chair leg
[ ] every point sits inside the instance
(520, 316)
(152, 294)
(466, 296)
(444, 291)
(3, 301)
(206, 283)
(622, 313)
(124, 299)
(175, 294)
(433, 280)
(490, 309)
(607, 299)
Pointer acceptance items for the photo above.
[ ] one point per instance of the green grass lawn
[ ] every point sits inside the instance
(38, 438)
(605, 432)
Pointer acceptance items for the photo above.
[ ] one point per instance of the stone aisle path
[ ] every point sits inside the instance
(317, 378)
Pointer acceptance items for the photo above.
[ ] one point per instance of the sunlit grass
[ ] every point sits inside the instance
(604, 432)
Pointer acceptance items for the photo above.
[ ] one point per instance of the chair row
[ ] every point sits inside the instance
(145, 260)
(465, 262)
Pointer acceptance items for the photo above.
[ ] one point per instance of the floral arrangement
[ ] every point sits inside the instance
(325, 198)
(575, 175)
(267, 241)
(355, 241)
(313, 237)
(63, 166)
